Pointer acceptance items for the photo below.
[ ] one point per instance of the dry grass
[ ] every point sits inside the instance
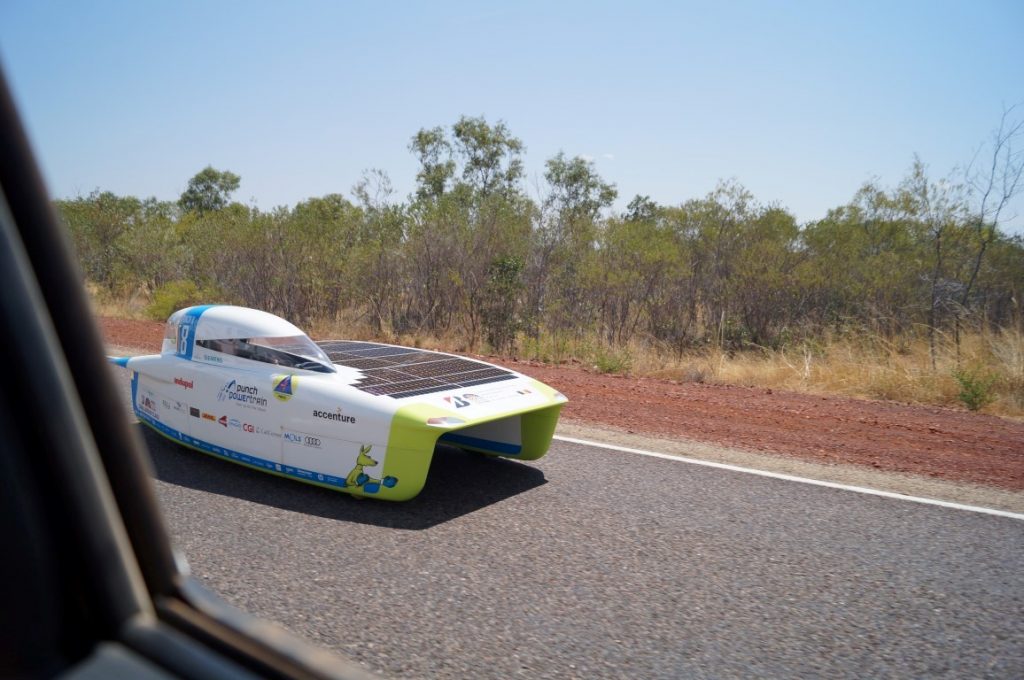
(350, 326)
(861, 366)
(127, 307)
(867, 367)
(864, 366)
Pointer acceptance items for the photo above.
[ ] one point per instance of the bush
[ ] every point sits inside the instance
(175, 295)
(500, 300)
(611, 360)
(975, 389)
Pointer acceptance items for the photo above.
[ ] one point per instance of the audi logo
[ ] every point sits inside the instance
(312, 441)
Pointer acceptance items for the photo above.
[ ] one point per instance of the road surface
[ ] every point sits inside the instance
(598, 564)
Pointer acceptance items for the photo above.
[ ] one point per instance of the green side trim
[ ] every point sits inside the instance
(411, 445)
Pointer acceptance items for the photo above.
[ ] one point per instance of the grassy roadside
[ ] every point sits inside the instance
(986, 375)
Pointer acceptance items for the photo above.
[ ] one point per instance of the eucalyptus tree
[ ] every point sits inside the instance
(100, 225)
(994, 180)
(378, 254)
(468, 213)
(208, 190)
(564, 243)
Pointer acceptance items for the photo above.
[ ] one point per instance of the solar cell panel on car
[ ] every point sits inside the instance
(404, 372)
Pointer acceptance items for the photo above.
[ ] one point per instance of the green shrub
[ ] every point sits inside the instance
(611, 360)
(975, 388)
(175, 295)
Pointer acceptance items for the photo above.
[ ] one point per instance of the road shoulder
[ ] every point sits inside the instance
(852, 475)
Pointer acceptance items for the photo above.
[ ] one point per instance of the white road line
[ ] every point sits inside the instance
(793, 478)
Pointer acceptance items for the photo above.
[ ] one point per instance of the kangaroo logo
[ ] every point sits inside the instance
(359, 479)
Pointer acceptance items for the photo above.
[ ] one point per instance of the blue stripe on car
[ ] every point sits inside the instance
(486, 444)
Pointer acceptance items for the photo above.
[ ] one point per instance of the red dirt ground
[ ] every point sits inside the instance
(936, 442)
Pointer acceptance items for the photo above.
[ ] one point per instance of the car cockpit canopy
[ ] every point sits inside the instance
(242, 333)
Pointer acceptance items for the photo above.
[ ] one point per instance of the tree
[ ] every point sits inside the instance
(491, 156)
(630, 264)
(469, 210)
(99, 224)
(992, 187)
(209, 190)
(762, 278)
(866, 261)
(939, 207)
(379, 250)
(564, 242)
(500, 302)
(437, 167)
(641, 208)
(577, 191)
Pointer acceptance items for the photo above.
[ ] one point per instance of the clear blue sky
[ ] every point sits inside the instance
(801, 102)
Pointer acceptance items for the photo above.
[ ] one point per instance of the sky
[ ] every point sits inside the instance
(800, 102)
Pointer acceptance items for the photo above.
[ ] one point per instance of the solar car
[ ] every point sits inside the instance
(359, 417)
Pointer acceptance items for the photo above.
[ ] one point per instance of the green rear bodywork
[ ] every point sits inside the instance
(411, 442)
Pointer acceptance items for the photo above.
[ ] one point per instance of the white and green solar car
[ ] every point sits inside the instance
(359, 417)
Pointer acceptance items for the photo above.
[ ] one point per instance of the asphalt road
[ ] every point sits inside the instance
(591, 563)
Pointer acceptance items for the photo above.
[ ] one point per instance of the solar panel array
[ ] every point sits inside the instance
(405, 372)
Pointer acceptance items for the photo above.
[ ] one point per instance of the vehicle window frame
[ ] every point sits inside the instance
(243, 349)
(92, 474)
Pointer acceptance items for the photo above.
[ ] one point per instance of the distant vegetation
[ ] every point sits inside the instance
(473, 259)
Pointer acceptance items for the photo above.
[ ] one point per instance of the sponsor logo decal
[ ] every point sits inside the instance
(259, 429)
(484, 396)
(284, 386)
(461, 400)
(241, 394)
(193, 411)
(209, 416)
(306, 440)
(335, 415)
(147, 405)
(211, 357)
(223, 420)
(187, 384)
(166, 404)
(236, 424)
